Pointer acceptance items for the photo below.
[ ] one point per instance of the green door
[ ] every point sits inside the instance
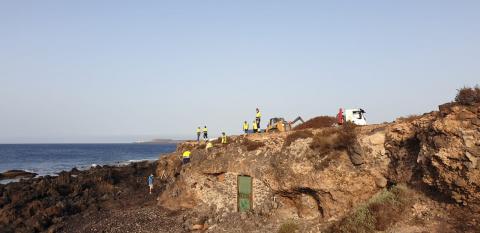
(244, 193)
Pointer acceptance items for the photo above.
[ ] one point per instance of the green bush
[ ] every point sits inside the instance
(378, 214)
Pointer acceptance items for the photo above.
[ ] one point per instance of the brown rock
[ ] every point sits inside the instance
(381, 182)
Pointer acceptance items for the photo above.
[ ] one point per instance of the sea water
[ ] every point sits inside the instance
(50, 159)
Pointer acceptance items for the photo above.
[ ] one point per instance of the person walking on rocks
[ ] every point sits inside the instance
(205, 133)
(150, 182)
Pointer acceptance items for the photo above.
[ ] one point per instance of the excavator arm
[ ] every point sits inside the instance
(297, 119)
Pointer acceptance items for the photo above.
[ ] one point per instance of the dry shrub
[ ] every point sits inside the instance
(340, 138)
(317, 123)
(105, 187)
(252, 145)
(329, 142)
(408, 118)
(468, 95)
(297, 135)
(288, 227)
(378, 214)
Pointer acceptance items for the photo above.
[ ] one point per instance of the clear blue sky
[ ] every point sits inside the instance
(113, 71)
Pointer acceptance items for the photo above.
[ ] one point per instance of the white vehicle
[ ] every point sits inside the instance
(355, 115)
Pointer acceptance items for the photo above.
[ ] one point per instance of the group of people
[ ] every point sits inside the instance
(205, 133)
(246, 127)
(255, 123)
(186, 154)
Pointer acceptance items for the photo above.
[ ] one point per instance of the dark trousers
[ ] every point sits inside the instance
(186, 160)
(198, 137)
(205, 135)
(258, 122)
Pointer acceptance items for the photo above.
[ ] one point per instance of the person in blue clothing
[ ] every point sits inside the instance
(150, 182)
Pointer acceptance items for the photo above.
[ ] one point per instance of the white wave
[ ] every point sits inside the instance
(123, 163)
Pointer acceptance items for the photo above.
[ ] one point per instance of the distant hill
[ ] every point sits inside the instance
(160, 141)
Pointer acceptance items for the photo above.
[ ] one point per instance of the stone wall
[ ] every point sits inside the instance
(227, 187)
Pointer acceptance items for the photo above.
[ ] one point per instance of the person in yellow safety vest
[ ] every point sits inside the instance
(254, 125)
(224, 138)
(245, 127)
(208, 146)
(257, 118)
(186, 157)
(199, 131)
(205, 132)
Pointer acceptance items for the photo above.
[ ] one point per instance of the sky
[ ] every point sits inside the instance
(123, 71)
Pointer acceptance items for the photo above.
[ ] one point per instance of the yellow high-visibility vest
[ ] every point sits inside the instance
(259, 114)
(198, 130)
(186, 154)
(245, 126)
(205, 129)
(224, 139)
(254, 125)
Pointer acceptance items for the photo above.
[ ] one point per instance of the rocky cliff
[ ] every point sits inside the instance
(440, 150)
(319, 176)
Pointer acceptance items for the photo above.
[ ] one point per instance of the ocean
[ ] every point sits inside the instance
(50, 159)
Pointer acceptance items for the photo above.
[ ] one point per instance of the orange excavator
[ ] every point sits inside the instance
(279, 124)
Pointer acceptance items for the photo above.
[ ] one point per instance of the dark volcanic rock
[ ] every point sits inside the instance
(40, 204)
(15, 174)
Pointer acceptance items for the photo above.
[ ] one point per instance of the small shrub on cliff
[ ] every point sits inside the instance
(288, 227)
(408, 118)
(334, 139)
(330, 141)
(252, 145)
(297, 135)
(468, 95)
(317, 123)
(378, 214)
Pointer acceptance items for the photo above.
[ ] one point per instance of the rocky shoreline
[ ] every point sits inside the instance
(44, 204)
(16, 174)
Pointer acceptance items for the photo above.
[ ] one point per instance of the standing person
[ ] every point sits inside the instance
(205, 133)
(257, 118)
(340, 117)
(224, 138)
(186, 157)
(254, 126)
(199, 131)
(150, 182)
(245, 127)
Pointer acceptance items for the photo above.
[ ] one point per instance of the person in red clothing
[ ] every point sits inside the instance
(340, 117)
